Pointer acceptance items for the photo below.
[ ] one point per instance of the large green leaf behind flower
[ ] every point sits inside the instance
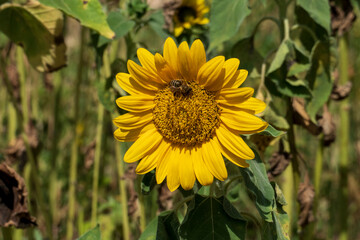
(38, 29)
(89, 13)
(225, 19)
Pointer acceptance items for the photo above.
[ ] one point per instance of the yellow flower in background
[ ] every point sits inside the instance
(185, 114)
(190, 13)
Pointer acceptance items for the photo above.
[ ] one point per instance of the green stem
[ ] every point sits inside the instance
(12, 124)
(7, 233)
(75, 146)
(141, 205)
(98, 146)
(344, 140)
(123, 194)
(34, 176)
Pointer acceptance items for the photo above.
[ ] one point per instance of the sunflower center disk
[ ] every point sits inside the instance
(186, 14)
(186, 117)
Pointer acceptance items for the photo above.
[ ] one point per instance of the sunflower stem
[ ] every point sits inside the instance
(344, 139)
(75, 145)
(141, 204)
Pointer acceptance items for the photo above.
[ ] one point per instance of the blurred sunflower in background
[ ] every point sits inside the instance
(185, 114)
(188, 14)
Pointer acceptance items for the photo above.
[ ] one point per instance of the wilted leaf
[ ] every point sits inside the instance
(119, 24)
(89, 13)
(341, 92)
(43, 42)
(226, 18)
(163, 227)
(342, 16)
(257, 183)
(93, 234)
(305, 197)
(328, 126)
(165, 198)
(301, 117)
(206, 218)
(319, 78)
(319, 11)
(278, 162)
(13, 200)
(89, 152)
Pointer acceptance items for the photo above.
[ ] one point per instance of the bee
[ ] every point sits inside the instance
(179, 86)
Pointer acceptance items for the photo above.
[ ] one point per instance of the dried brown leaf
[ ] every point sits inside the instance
(328, 127)
(301, 117)
(165, 198)
(13, 200)
(305, 197)
(342, 16)
(278, 163)
(341, 92)
(89, 152)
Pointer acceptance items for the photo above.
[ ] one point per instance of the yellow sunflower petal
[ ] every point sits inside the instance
(186, 170)
(213, 159)
(231, 65)
(172, 177)
(178, 30)
(137, 103)
(170, 53)
(184, 62)
(210, 73)
(147, 60)
(164, 69)
(163, 165)
(237, 79)
(198, 55)
(146, 143)
(145, 79)
(202, 21)
(252, 105)
(233, 158)
(149, 162)
(234, 143)
(242, 122)
(235, 95)
(130, 121)
(127, 83)
(202, 173)
(131, 135)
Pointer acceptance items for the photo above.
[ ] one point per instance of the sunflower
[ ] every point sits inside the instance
(185, 114)
(190, 13)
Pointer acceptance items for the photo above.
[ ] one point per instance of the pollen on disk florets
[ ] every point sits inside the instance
(187, 119)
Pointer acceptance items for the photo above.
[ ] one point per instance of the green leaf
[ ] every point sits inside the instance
(249, 57)
(257, 182)
(319, 11)
(279, 229)
(148, 182)
(272, 116)
(106, 95)
(226, 18)
(280, 56)
(163, 227)
(207, 218)
(43, 42)
(93, 234)
(297, 69)
(119, 24)
(319, 78)
(292, 88)
(271, 131)
(89, 13)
